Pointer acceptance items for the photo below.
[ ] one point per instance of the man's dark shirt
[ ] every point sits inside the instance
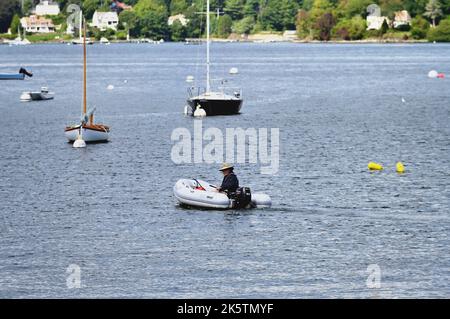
(230, 183)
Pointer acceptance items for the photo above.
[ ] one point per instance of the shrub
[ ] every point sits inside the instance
(441, 33)
(419, 28)
(350, 29)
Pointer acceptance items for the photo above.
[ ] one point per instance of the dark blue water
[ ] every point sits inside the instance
(109, 208)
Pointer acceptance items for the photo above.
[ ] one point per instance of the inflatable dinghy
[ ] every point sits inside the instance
(201, 194)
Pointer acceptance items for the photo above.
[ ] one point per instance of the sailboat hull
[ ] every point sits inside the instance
(215, 107)
(90, 135)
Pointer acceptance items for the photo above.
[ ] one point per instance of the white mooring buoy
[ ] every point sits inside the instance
(79, 142)
(190, 79)
(234, 71)
(199, 112)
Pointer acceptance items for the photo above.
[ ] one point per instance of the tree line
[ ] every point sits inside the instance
(313, 19)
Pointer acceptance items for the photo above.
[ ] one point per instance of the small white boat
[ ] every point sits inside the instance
(104, 41)
(198, 193)
(81, 40)
(42, 95)
(19, 40)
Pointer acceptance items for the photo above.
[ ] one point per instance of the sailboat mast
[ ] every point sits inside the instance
(81, 24)
(208, 62)
(84, 70)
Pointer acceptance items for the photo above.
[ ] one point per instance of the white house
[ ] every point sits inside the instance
(178, 17)
(402, 18)
(37, 24)
(375, 23)
(47, 8)
(105, 20)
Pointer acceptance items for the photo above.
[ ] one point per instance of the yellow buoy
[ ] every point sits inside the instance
(375, 166)
(400, 167)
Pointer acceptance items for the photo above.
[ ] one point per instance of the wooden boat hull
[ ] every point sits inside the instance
(91, 134)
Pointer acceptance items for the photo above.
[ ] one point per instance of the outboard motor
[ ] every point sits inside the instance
(242, 198)
(23, 71)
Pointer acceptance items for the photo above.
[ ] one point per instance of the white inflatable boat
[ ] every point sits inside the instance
(199, 193)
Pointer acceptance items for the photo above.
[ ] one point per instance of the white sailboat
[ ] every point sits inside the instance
(87, 130)
(80, 39)
(213, 102)
(19, 40)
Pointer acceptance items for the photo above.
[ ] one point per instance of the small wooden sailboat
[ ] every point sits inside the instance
(87, 129)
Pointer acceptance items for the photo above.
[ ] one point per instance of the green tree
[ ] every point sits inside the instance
(196, 25)
(153, 24)
(419, 28)
(251, 8)
(224, 26)
(351, 8)
(415, 7)
(350, 29)
(143, 7)
(234, 8)
(384, 27)
(244, 26)
(15, 24)
(89, 7)
(178, 6)
(433, 11)
(7, 10)
(27, 6)
(178, 31)
(271, 17)
(324, 26)
(303, 24)
(129, 20)
(441, 33)
(288, 10)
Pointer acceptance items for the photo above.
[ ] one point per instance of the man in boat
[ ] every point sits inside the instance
(230, 181)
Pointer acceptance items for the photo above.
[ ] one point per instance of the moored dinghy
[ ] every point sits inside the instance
(198, 193)
(87, 129)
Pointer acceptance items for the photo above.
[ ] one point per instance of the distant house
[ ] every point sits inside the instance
(375, 23)
(402, 18)
(118, 6)
(47, 8)
(290, 35)
(178, 17)
(105, 20)
(37, 24)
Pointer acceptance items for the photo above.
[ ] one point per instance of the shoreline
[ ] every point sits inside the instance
(356, 42)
